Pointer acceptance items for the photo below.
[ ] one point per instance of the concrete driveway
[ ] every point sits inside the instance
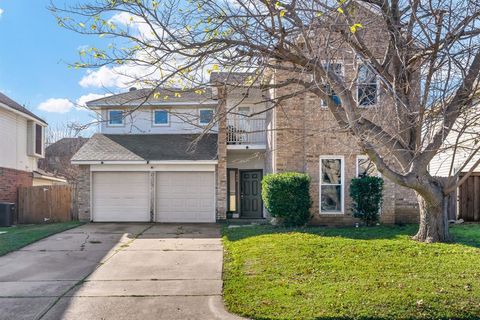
(117, 271)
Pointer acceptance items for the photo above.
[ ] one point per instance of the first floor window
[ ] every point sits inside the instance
(331, 184)
(206, 116)
(115, 117)
(160, 117)
(366, 86)
(365, 167)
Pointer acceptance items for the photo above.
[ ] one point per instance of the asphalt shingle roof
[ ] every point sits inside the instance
(150, 97)
(138, 147)
(15, 105)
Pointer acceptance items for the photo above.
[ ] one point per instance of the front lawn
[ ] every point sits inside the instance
(14, 238)
(351, 273)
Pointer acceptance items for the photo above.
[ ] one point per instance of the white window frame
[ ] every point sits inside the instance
(377, 93)
(115, 124)
(363, 157)
(249, 112)
(323, 103)
(161, 124)
(342, 187)
(200, 118)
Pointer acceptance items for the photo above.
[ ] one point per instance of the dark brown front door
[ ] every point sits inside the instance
(250, 197)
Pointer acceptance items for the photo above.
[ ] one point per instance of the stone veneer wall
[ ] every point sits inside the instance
(221, 167)
(10, 180)
(83, 193)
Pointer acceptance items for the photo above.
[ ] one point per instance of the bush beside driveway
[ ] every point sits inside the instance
(14, 238)
(350, 273)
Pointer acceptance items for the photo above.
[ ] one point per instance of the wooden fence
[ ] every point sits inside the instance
(44, 203)
(469, 199)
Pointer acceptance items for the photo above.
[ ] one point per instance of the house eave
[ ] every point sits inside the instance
(156, 104)
(120, 162)
(7, 107)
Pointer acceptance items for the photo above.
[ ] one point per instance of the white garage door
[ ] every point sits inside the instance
(185, 197)
(121, 196)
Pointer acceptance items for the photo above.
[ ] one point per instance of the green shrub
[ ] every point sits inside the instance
(367, 197)
(286, 195)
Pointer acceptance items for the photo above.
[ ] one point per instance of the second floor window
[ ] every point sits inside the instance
(337, 69)
(115, 117)
(206, 116)
(160, 117)
(366, 86)
(38, 139)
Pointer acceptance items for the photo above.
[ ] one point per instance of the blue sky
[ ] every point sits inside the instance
(34, 52)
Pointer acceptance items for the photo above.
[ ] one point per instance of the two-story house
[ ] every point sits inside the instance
(22, 136)
(173, 156)
(166, 156)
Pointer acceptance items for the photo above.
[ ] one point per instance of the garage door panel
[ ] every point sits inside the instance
(185, 197)
(121, 196)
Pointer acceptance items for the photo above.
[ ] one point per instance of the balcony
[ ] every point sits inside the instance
(246, 133)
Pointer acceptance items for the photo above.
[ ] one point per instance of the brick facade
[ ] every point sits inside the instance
(304, 131)
(221, 167)
(83, 193)
(10, 180)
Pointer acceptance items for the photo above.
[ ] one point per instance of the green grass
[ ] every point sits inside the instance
(19, 236)
(351, 273)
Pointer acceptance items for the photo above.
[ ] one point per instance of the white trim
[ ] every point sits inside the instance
(166, 104)
(342, 186)
(152, 168)
(108, 162)
(200, 118)
(115, 124)
(160, 124)
(136, 162)
(20, 113)
(246, 147)
(91, 195)
(183, 162)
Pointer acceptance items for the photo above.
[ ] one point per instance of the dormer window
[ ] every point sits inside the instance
(206, 116)
(115, 118)
(161, 117)
(367, 86)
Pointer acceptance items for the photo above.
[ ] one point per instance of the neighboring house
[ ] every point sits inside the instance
(22, 136)
(58, 156)
(459, 153)
(160, 157)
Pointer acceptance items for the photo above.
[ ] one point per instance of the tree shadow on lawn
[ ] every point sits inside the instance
(466, 234)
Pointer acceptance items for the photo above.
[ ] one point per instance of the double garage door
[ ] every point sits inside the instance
(172, 196)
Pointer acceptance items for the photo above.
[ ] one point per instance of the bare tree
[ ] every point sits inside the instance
(424, 56)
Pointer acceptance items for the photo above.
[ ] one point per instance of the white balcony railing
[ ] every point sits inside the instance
(242, 130)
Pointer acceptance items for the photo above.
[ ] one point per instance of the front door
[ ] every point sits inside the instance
(251, 201)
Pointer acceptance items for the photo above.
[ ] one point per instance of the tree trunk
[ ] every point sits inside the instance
(433, 217)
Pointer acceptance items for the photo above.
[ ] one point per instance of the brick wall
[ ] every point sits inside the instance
(10, 180)
(305, 131)
(221, 168)
(406, 206)
(83, 193)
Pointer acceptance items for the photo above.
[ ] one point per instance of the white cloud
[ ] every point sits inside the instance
(81, 102)
(1, 12)
(56, 105)
(117, 77)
